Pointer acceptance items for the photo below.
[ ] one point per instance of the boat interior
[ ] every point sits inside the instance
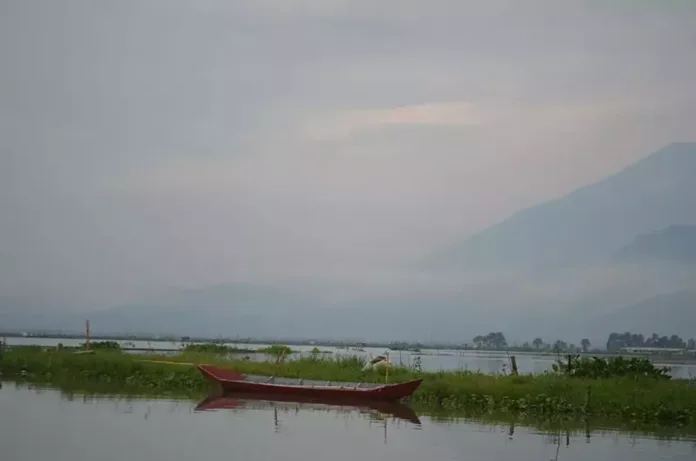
(308, 382)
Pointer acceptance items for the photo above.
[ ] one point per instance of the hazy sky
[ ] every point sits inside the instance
(150, 143)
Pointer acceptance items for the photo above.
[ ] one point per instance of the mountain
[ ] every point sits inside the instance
(579, 264)
(301, 311)
(677, 243)
(588, 224)
(664, 314)
(271, 312)
(225, 309)
(607, 257)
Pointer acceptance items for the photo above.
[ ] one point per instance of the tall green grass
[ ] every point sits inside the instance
(642, 400)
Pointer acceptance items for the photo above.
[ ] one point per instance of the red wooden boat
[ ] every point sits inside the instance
(240, 400)
(232, 381)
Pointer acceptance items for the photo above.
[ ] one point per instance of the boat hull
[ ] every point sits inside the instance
(232, 381)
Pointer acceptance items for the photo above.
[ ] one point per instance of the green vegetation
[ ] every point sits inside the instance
(497, 341)
(617, 341)
(214, 348)
(493, 340)
(223, 349)
(632, 397)
(404, 346)
(613, 367)
(102, 345)
(276, 350)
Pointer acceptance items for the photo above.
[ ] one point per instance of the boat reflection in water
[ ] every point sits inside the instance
(239, 400)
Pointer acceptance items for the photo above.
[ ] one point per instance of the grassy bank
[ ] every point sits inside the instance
(644, 400)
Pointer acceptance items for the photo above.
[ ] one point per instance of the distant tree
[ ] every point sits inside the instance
(493, 340)
(538, 342)
(560, 346)
(497, 340)
(691, 344)
(585, 344)
(676, 342)
(618, 341)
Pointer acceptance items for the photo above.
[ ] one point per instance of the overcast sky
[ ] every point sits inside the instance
(154, 143)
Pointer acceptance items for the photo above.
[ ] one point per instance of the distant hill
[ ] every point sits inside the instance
(564, 269)
(589, 224)
(676, 243)
(271, 312)
(664, 314)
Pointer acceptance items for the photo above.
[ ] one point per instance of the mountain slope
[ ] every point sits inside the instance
(676, 243)
(226, 309)
(589, 223)
(664, 314)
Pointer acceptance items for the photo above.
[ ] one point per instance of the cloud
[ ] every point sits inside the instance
(343, 124)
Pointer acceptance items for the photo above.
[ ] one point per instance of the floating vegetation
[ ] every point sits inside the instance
(102, 345)
(277, 350)
(216, 349)
(611, 367)
(634, 396)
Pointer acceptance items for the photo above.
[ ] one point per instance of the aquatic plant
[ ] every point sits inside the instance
(214, 348)
(100, 345)
(610, 367)
(276, 350)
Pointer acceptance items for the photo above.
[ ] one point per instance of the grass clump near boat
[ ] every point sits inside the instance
(634, 397)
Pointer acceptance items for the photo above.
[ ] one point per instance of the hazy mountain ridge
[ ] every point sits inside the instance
(597, 260)
(677, 243)
(589, 223)
(664, 314)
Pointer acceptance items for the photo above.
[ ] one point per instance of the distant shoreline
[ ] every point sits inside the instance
(413, 348)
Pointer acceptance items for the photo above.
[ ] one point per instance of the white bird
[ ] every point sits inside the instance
(380, 361)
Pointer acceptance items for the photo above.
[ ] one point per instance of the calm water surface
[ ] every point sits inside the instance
(46, 424)
(431, 360)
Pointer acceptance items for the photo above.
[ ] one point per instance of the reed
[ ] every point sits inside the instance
(642, 400)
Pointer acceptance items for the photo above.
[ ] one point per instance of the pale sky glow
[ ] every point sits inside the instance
(163, 143)
(343, 124)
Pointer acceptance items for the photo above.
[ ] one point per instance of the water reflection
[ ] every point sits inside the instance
(250, 401)
(77, 426)
(379, 412)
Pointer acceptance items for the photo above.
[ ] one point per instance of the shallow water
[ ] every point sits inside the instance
(47, 424)
(431, 360)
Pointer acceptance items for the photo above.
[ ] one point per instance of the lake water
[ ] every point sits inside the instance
(431, 360)
(48, 424)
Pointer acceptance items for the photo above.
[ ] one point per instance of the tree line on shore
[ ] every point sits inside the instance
(615, 342)
(618, 341)
(496, 340)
